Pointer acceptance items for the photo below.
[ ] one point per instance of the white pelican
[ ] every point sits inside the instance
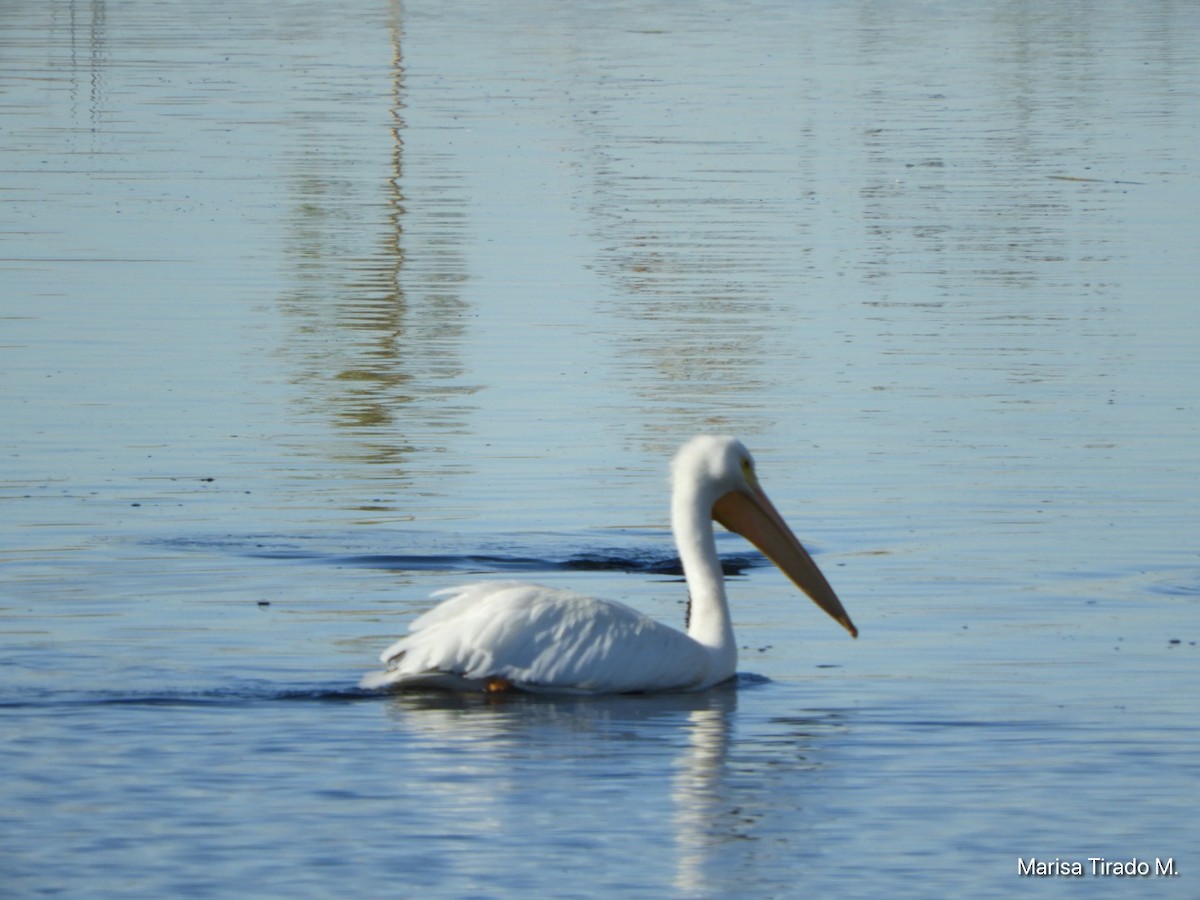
(496, 635)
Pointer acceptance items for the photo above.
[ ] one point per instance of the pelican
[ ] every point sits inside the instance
(497, 636)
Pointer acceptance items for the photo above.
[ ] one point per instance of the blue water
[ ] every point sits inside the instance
(307, 311)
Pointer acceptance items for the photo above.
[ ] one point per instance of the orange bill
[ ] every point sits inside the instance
(749, 513)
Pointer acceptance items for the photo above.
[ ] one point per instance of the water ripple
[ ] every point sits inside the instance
(528, 559)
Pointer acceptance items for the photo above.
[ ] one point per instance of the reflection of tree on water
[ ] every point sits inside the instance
(374, 313)
(930, 224)
(95, 71)
(696, 279)
(694, 227)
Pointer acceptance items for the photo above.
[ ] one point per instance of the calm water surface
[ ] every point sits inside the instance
(307, 310)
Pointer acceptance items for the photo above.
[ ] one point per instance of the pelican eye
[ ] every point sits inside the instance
(748, 470)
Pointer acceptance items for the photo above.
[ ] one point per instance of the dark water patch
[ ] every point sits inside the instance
(489, 556)
(249, 695)
(1185, 585)
(722, 697)
(742, 681)
(215, 698)
(585, 562)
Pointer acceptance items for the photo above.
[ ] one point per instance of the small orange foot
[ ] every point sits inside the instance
(497, 685)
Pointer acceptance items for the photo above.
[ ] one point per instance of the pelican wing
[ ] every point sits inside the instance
(540, 639)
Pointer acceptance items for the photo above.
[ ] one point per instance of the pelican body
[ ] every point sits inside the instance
(499, 635)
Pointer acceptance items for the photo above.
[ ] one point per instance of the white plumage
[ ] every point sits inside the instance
(539, 638)
(499, 635)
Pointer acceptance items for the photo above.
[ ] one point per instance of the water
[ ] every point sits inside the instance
(309, 310)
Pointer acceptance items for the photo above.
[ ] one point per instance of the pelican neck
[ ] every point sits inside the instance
(709, 623)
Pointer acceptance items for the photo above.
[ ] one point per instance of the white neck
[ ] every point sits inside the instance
(709, 623)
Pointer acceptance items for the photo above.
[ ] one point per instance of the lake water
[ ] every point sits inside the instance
(310, 309)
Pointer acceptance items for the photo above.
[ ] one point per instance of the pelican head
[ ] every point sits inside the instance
(716, 475)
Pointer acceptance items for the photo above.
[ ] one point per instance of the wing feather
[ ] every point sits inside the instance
(540, 639)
